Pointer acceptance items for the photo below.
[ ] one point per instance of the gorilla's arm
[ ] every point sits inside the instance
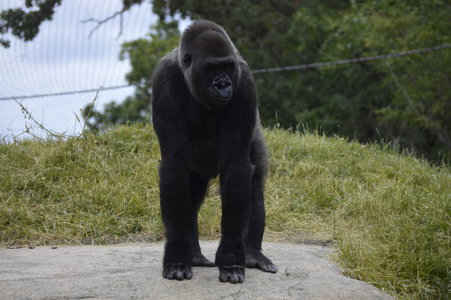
(169, 92)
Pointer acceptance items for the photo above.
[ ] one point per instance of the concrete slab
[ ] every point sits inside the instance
(133, 271)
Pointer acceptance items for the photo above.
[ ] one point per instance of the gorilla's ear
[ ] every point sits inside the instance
(187, 60)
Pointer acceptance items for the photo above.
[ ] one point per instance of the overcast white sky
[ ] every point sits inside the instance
(63, 58)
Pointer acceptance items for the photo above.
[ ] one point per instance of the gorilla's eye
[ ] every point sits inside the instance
(187, 60)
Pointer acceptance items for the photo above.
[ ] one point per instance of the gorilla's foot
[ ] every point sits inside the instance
(233, 274)
(177, 271)
(200, 260)
(256, 259)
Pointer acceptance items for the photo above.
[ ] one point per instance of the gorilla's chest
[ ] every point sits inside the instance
(204, 159)
(204, 137)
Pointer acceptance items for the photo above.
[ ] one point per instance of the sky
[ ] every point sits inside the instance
(64, 58)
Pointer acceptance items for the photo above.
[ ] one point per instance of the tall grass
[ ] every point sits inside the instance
(90, 188)
(389, 214)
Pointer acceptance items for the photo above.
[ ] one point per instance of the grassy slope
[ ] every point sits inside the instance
(390, 214)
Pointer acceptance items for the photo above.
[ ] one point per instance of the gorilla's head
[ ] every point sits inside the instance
(210, 63)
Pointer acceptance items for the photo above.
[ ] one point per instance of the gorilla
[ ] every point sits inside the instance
(204, 111)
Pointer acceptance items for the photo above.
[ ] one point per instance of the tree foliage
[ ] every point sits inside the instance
(411, 95)
(24, 23)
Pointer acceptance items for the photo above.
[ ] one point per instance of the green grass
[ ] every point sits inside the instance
(389, 214)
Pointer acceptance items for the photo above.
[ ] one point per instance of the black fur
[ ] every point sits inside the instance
(204, 110)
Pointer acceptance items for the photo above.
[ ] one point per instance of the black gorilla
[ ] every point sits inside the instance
(205, 115)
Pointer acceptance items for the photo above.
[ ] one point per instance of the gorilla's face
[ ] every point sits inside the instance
(219, 72)
(210, 66)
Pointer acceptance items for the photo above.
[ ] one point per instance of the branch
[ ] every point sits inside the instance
(30, 116)
(101, 22)
(441, 134)
(395, 78)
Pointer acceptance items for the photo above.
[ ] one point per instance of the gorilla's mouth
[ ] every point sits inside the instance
(222, 94)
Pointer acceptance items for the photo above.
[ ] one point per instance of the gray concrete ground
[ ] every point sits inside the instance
(133, 271)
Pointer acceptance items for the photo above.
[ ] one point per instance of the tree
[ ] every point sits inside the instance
(415, 106)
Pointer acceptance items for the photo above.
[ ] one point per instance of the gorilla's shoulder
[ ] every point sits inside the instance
(172, 56)
(168, 66)
(170, 60)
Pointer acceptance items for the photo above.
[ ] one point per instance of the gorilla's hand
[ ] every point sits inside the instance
(232, 274)
(177, 271)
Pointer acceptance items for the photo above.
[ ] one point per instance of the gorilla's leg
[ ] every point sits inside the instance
(256, 227)
(235, 181)
(178, 219)
(254, 256)
(198, 187)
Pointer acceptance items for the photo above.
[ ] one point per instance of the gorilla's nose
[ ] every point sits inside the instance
(222, 82)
